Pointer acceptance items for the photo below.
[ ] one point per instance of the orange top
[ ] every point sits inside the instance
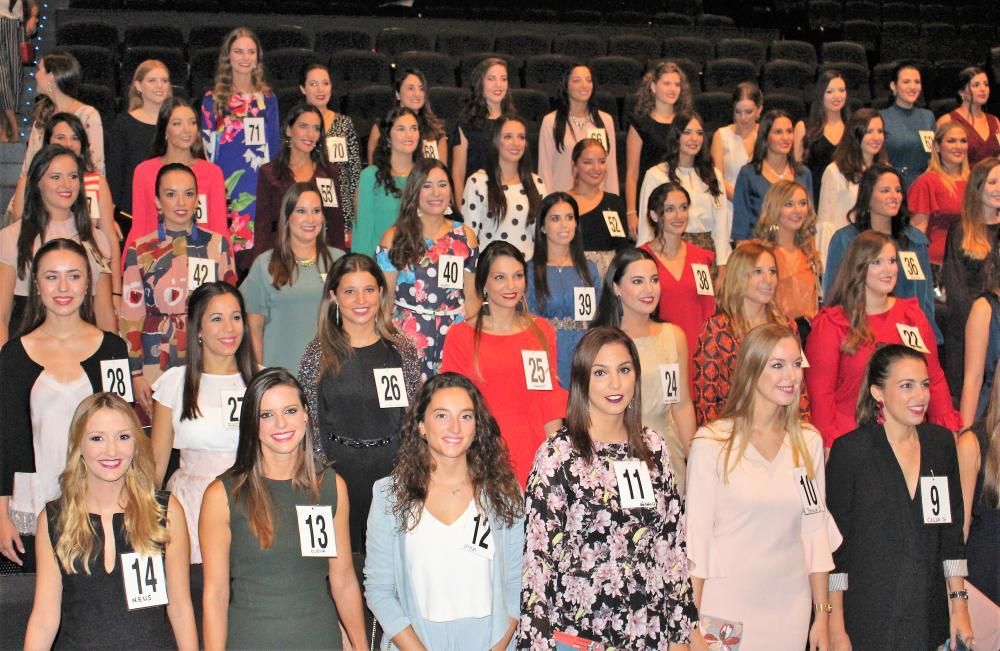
(798, 288)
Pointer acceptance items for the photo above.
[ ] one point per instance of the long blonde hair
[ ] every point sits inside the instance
(751, 359)
(135, 99)
(223, 89)
(975, 241)
(935, 165)
(738, 269)
(145, 517)
(770, 211)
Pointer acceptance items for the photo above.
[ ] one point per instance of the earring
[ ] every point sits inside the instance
(337, 318)
(420, 213)
(880, 412)
(486, 297)
(448, 210)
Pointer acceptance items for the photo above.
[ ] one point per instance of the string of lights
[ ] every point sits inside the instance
(30, 90)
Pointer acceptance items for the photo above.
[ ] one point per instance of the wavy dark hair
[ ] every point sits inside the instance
(223, 88)
(496, 200)
(475, 111)
(382, 159)
(34, 312)
(408, 245)
(703, 165)
(609, 308)
(657, 201)
(562, 106)
(494, 485)
(578, 409)
(877, 374)
(66, 74)
(848, 155)
(318, 153)
(282, 267)
(159, 146)
(965, 77)
(645, 101)
(861, 214)
(849, 287)
(315, 65)
(816, 119)
(431, 126)
(760, 146)
(76, 126)
(197, 306)
(540, 259)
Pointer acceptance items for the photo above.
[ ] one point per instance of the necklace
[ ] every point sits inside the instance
(579, 122)
(306, 262)
(780, 175)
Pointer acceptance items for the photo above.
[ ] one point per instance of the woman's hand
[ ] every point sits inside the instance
(10, 539)
(840, 641)
(959, 626)
(819, 633)
(143, 393)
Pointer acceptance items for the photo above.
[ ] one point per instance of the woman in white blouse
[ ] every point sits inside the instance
(732, 145)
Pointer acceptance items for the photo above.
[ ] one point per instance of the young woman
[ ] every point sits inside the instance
(663, 92)
(773, 160)
(58, 81)
(470, 139)
(628, 301)
(339, 138)
(358, 413)
(240, 129)
(510, 355)
(453, 489)
(412, 92)
(177, 141)
(134, 131)
(196, 407)
(756, 491)
(862, 313)
(746, 300)
(817, 136)
(687, 163)
(557, 271)
(788, 223)
(429, 261)
(686, 301)
(285, 284)
(881, 207)
(501, 200)
(935, 198)
(858, 149)
(108, 538)
(983, 129)
(59, 360)
(890, 484)
(576, 118)
(18, 22)
(602, 214)
(733, 144)
(54, 207)
(602, 501)
(275, 537)
(381, 185)
(302, 160)
(908, 129)
(161, 269)
(981, 341)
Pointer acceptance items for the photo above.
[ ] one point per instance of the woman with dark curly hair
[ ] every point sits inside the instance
(446, 528)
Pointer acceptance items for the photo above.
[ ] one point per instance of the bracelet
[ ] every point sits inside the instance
(116, 294)
(823, 608)
(961, 594)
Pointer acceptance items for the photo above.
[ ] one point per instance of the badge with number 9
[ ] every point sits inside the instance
(390, 388)
(584, 303)
(935, 499)
(201, 216)
(117, 378)
(145, 581)
(316, 536)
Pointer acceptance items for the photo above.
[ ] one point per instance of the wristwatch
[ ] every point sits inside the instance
(961, 594)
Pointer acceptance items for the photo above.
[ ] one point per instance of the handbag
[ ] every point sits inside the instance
(27, 53)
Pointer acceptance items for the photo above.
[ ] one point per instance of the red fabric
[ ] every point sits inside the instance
(929, 196)
(834, 378)
(680, 303)
(521, 414)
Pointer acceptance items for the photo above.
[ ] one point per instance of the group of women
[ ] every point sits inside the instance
(676, 445)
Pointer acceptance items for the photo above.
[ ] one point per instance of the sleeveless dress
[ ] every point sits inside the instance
(984, 530)
(992, 354)
(278, 598)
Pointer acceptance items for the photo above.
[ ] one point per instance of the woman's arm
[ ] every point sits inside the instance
(470, 299)
(162, 438)
(977, 333)
(743, 213)
(106, 223)
(17, 201)
(611, 181)
(969, 461)
(95, 134)
(799, 142)
(215, 537)
(633, 150)
(178, 568)
(7, 281)
(47, 609)
(343, 581)
(256, 323)
(459, 158)
(683, 409)
(104, 308)
(373, 138)
(547, 149)
(819, 630)
(719, 160)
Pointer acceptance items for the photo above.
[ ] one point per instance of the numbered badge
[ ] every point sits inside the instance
(911, 337)
(450, 272)
(336, 149)
(911, 266)
(808, 494)
(232, 406)
(201, 216)
(935, 500)
(926, 139)
(145, 581)
(670, 377)
(584, 303)
(200, 271)
(702, 280)
(805, 362)
(390, 387)
(536, 370)
(600, 135)
(635, 489)
(117, 378)
(327, 192)
(429, 148)
(614, 223)
(253, 132)
(476, 536)
(316, 536)
(93, 204)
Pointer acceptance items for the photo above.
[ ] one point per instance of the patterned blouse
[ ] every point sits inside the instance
(343, 127)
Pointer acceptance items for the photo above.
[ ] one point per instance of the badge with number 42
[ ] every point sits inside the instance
(316, 537)
(117, 378)
(145, 581)
(200, 271)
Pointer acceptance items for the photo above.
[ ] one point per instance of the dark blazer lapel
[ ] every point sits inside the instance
(893, 485)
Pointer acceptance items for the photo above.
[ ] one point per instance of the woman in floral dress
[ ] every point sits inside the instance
(605, 558)
(239, 122)
(429, 261)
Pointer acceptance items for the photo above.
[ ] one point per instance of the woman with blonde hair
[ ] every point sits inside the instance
(756, 491)
(112, 549)
(935, 198)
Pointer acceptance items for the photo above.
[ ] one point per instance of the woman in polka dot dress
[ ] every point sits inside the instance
(429, 261)
(500, 202)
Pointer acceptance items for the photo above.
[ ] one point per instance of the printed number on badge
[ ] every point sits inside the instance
(93, 204)
(253, 132)
(702, 280)
(926, 139)
(326, 192)
(635, 489)
(117, 378)
(911, 265)
(614, 223)
(598, 134)
(336, 149)
(935, 499)
(477, 538)
(808, 493)
(200, 271)
(430, 149)
(911, 337)
(670, 377)
(316, 537)
(201, 214)
(390, 388)
(536, 370)
(145, 581)
(232, 405)
(584, 303)
(450, 272)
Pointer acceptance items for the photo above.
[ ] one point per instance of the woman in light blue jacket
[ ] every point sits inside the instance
(446, 528)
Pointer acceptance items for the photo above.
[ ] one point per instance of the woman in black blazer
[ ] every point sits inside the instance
(893, 489)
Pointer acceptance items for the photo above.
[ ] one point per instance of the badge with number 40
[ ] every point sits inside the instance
(449, 272)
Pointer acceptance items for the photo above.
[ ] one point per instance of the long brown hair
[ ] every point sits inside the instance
(991, 473)
(35, 312)
(849, 287)
(475, 111)
(223, 89)
(975, 238)
(816, 120)
(382, 158)
(496, 199)
(408, 245)
(645, 101)
(730, 300)
(282, 267)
